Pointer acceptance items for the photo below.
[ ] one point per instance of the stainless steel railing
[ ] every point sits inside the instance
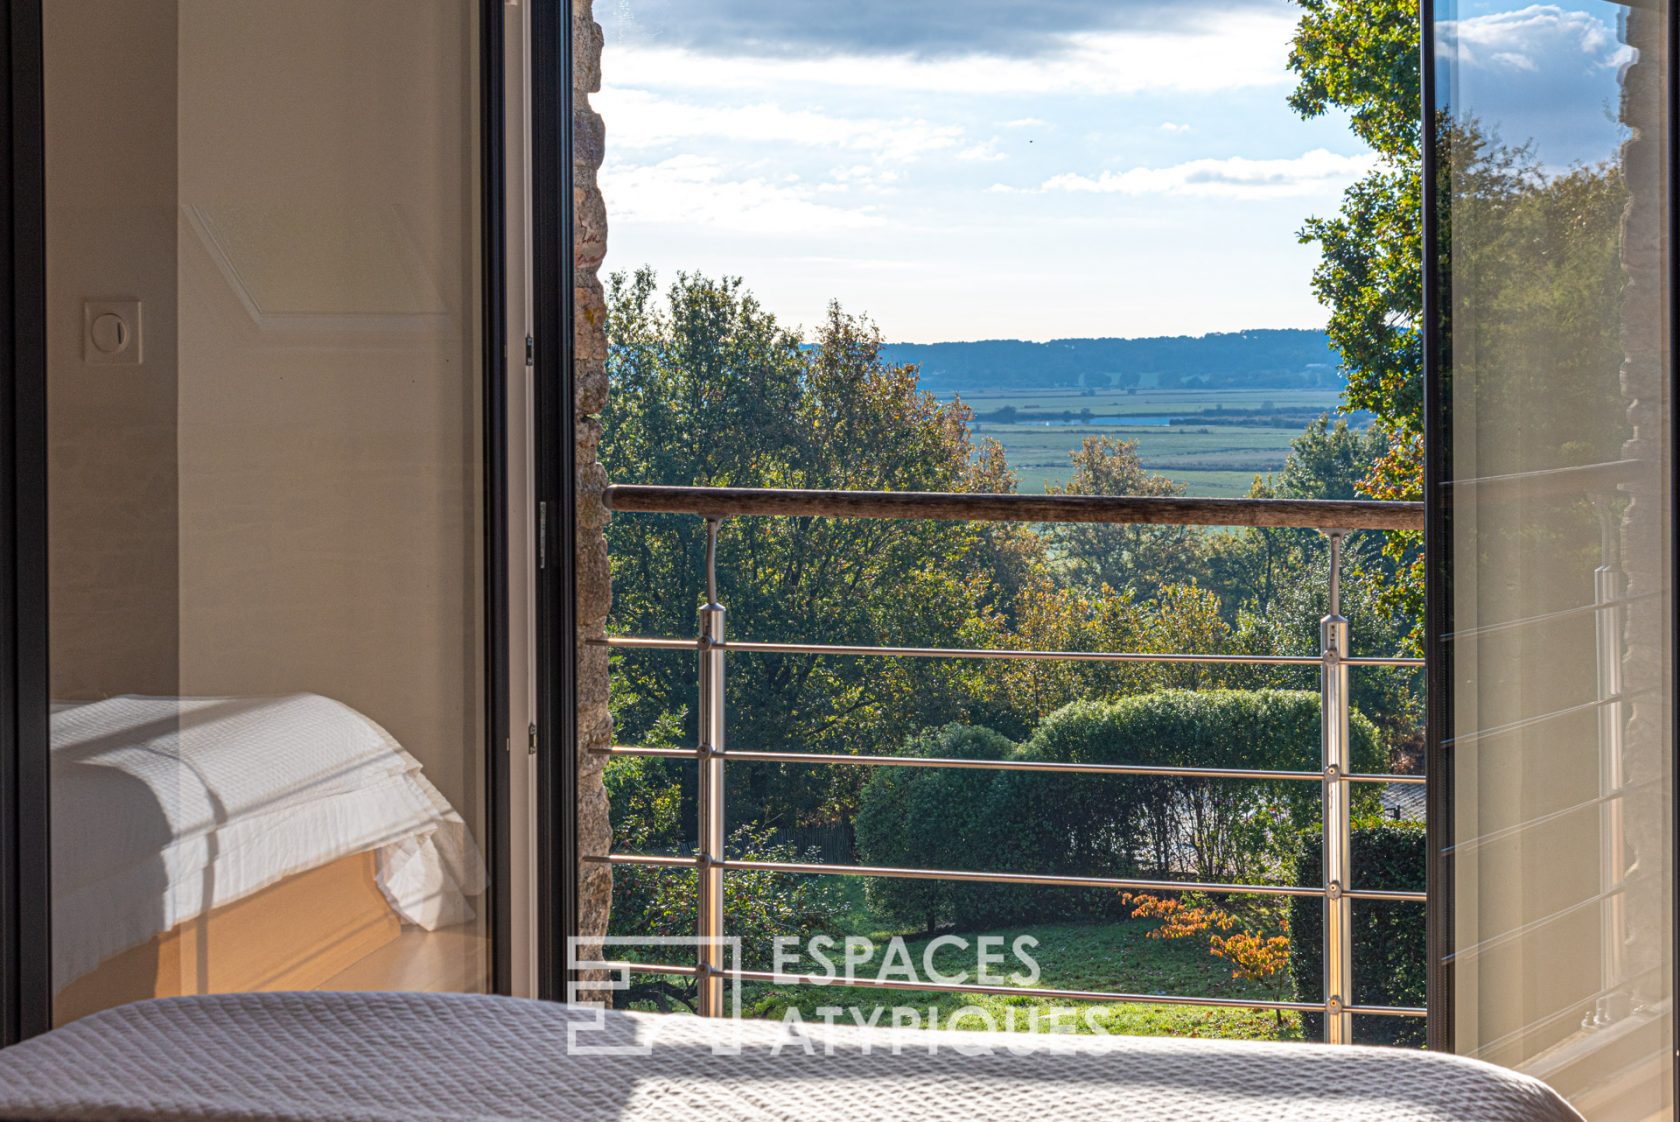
(1335, 777)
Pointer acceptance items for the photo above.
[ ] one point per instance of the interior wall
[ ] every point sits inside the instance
(112, 429)
(328, 410)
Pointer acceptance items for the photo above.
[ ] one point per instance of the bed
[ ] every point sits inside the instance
(212, 844)
(386, 1057)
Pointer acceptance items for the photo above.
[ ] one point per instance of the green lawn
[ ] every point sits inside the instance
(1117, 957)
(1150, 401)
(1110, 957)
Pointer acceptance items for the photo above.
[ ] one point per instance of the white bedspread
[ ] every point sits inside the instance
(166, 807)
(328, 1057)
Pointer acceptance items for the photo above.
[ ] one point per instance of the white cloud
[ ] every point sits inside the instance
(1235, 177)
(1543, 75)
(1242, 50)
(985, 152)
(1530, 40)
(696, 191)
(1025, 123)
(1174, 126)
(638, 119)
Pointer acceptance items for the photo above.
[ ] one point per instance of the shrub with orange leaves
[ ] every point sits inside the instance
(1253, 955)
(1177, 919)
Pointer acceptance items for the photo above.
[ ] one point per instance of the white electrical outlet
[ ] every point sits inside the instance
(111, 332)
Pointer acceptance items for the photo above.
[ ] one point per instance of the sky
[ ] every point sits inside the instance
(1035, 169)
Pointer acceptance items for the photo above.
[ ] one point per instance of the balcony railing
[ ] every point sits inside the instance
(1334, 662)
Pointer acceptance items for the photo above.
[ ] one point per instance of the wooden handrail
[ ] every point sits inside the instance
(724, 502)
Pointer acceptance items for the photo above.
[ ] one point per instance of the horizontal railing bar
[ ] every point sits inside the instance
(643, 750)
(1051, 766)
(722, 502)
(1002, 653)
(1042, 766)
(1005, 653)
(1470, 845)
(1547, 617)
(1386, 895)
(656, 860)
(644, 643)
(1521, 723)
(1052, 880)
(1042, 880)
(643, 967)
(1559, 482)
(1493, 942)
(1387, 778)
(865, 982)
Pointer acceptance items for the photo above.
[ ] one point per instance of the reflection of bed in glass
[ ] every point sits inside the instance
(212, 844)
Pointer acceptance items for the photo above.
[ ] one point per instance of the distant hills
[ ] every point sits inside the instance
(1260, 359)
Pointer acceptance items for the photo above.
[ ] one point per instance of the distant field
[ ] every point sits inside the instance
(1211, 459)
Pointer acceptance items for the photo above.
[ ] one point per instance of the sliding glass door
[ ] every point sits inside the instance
(266, 483)
(1551, 556)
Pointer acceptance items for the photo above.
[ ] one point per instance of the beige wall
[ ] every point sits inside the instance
(285, 496)
(112, 429)
(329, 387)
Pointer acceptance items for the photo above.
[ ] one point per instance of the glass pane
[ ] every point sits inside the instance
(266, 572)
(1553, 126)
(1027, 247)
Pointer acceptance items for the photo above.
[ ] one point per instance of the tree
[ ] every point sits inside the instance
(709, 389)
(1362, 56)
(1134, 559)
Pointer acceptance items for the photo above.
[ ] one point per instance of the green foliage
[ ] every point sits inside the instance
(1135, 559)
(927, 818)
(1328, 460)
(1390, 956)
(1214, 830)
(758, 906)
(1218, 830)
(1541, 245)
(695, 370)
(1363, 56)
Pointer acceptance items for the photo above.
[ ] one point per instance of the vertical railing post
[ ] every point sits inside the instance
(711, 786)
(1609, 592)
(1338, 816)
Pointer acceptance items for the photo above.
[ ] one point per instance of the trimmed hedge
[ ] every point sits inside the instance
(1390, 955)
(925, 818)
(1100, 825)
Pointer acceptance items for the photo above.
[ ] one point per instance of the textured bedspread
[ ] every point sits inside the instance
(414, 1058)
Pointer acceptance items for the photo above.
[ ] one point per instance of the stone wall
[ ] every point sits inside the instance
(594, 579)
